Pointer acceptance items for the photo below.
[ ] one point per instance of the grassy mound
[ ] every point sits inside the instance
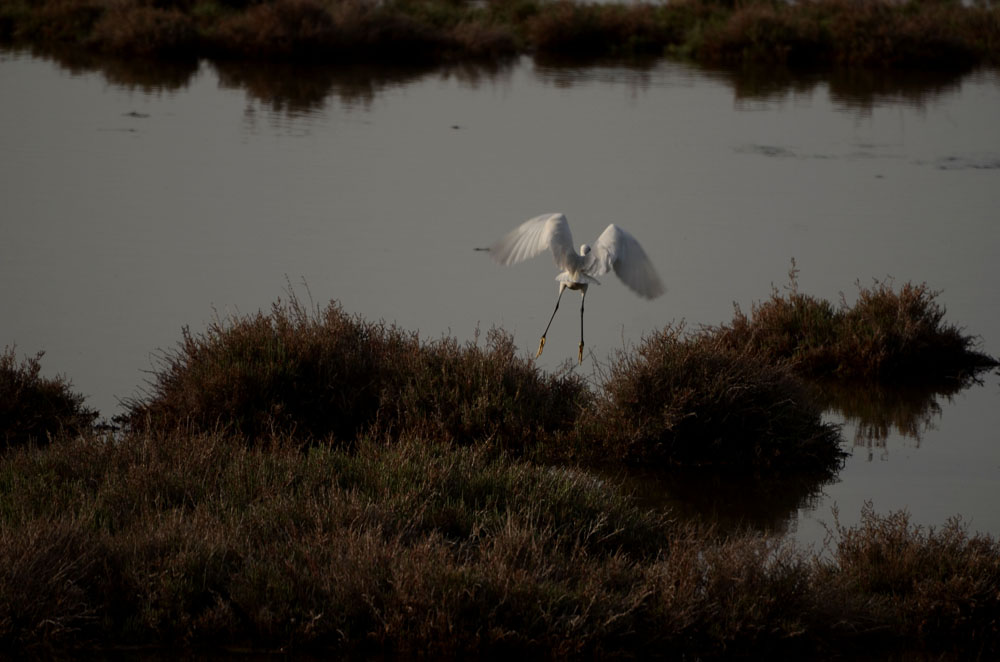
(690, 400)
(34, 408)
(937, 586)
(888, 335)
(194, 540)
(314, 375)
(326, 374)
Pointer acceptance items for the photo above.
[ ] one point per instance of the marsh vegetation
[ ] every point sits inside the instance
(916, 33)
(306, 480)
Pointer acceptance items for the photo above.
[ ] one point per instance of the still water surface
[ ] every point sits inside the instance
(138, 199)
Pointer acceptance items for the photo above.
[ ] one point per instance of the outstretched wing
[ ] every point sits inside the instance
(618, 250)
(548, 231)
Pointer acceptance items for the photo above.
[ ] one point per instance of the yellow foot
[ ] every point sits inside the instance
(541, 346)
(580, 356)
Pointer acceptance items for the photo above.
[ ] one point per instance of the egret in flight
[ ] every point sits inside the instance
(615, 249)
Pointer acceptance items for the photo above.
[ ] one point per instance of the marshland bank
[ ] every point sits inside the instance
(304, 480)
(917, 33)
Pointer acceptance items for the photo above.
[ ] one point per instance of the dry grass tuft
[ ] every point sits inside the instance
(189, 540)
(691, 400)
(326, 374)
(940, 587)
(888, 334)
(144, 31)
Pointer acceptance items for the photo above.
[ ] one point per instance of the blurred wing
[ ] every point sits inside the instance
(548, 231)
(618, 250)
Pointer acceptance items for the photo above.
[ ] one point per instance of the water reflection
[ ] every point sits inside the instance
(731, 502)
(296, 88)
(854, 88)
(135, 73)
(878, 411)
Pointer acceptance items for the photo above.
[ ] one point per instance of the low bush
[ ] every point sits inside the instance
(34, 408)
(887, 335)
(195, 539)
(144, 31)
(326, 374)
(939, 587)
(690, 400)
(189, 540)
(918, 33)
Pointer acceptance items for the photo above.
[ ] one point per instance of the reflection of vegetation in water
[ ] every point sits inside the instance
(148, 75)
(858, 88)
(732, 502)
(295, 88)
(881, 410)
(284, 87)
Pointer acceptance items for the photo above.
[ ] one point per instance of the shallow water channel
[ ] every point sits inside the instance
(137, 199)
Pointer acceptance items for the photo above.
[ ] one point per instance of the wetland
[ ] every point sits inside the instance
(151, 208)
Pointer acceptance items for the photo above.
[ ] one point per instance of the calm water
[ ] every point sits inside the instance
(139, 199)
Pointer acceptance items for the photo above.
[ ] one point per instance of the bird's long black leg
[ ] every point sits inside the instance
(541, 344)
(582, 299)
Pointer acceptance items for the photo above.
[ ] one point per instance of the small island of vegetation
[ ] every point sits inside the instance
(308, 481)
(940, 34)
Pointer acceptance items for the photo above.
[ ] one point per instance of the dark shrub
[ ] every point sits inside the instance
(330, 374)
(694, 401)
(144, 31)
(888, 335)
(33, 408)
(938, 585)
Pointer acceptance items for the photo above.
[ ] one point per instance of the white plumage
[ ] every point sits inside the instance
(615, 250)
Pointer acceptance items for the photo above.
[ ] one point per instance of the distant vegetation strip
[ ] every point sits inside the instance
(914, 33)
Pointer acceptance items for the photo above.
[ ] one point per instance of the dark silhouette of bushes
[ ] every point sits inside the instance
(937, 585)
(889, 335)
(34, 408)
(674, 402)
(917, 33)
(690, 400)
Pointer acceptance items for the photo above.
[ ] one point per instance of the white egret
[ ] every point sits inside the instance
(615, 250)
